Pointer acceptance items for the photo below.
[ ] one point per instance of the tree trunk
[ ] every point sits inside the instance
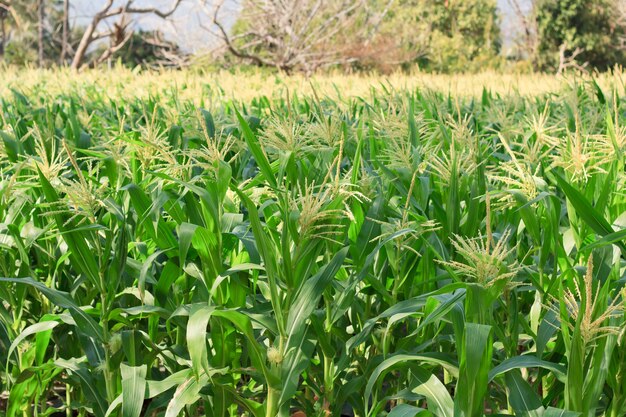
(42, 16)
(66, 30)
(2, 32)
(85, 41)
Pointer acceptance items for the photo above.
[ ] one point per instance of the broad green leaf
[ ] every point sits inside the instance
(526, 361)
(387, 364)
(187, 393)
(474, 367)
(587, 212)
(557, 412)
(523, 399)
(440, 402)
(45, 326)
(196, 338)
(405, 410)
(133, 389)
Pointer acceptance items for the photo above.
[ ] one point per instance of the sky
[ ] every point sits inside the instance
(186, 24)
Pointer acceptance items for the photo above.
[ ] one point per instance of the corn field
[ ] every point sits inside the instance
(405, 252)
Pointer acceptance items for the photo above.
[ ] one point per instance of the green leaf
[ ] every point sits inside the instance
(587, 212)
(526, 361)
(208, 122)
(523, 399)
(133, 389)
(196, 338)
(269, 255)
(45, 326)
(187, 393)
(82, 254)
(557, 412)
(474, 368)
(241, 322)
(401, 358)
(405, 410)
(257, 151)
(440, 402)
(91, 387)
(85, 323)
(11, 146)
(306, 300)
(610, 239)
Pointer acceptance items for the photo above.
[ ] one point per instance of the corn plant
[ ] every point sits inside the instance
(405, 253)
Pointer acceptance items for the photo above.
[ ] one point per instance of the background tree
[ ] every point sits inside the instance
(308, 35)
(34, 32)
(400, 40)
(65, 34)
(575, 32)
(39, 31)
(525, 24)
(41, 21)
(440, 35)
(112, 23)
(299, 34)
(4, 13)
(463, 35)
(150, 49)
(20, 31)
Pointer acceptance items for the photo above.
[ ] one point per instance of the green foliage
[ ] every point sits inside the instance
(408, 253)
(591, 25)
(440, 35)
(22, 26)
(447, 35)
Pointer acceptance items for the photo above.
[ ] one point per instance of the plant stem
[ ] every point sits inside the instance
(272, 402)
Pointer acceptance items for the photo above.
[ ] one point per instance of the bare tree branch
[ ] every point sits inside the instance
(107, 12)
(8, 7)
(110, 51)
(229, 44)
(528, 24)
(65, 44)
(299, 34)
(569, 61)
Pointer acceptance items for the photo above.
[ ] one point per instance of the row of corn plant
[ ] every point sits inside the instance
(408, 253)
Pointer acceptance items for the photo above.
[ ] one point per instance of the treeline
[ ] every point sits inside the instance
(40, 32)
(311, 35)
